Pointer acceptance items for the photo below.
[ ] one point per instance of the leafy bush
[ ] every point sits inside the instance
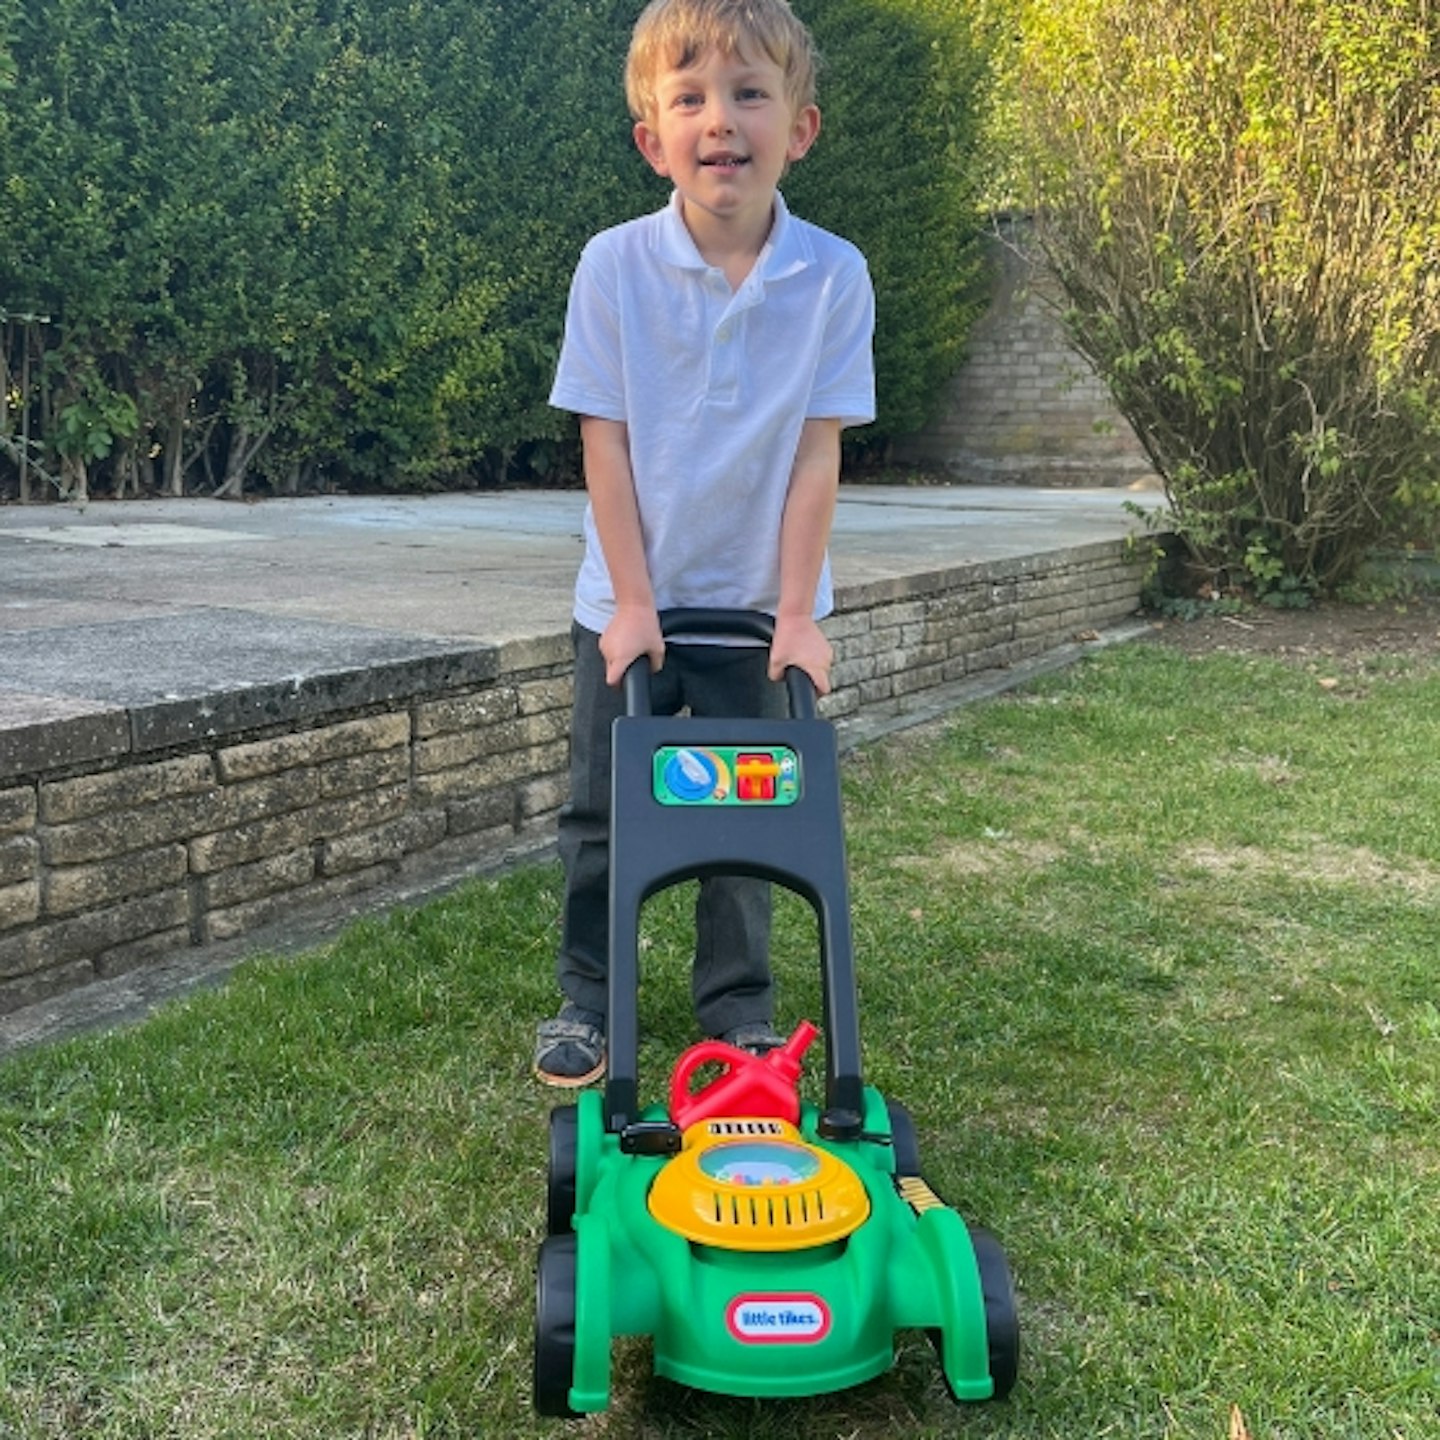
(311, 244)
(1239, 199)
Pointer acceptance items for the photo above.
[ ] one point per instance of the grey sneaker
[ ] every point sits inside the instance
(570, 1049)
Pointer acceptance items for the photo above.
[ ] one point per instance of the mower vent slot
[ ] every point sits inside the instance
(768, 1128)
(769, 1211)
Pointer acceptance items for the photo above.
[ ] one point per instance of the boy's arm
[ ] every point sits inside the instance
(635, 628)
(804, 536)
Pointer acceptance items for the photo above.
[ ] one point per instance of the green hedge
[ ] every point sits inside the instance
(307, 243)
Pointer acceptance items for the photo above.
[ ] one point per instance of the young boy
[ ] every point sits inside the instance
(713, 351)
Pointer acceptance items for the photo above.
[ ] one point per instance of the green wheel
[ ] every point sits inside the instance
(555, 1327)
(1002, 1320)
(560, 1180)
(1002, 1325)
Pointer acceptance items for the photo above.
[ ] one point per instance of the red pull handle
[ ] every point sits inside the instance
(702, 1054)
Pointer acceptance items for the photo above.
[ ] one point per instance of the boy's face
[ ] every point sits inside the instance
(723, 131)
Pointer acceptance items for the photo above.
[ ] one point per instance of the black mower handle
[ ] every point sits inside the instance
(731, 624)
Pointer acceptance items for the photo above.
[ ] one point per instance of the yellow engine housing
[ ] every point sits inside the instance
(757, 1184)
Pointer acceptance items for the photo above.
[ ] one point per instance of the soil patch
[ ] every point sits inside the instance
(1343, 637)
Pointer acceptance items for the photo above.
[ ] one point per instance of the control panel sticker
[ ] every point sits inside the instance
(726, 775)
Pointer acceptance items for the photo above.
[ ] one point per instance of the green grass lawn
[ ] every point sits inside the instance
(1149, 949)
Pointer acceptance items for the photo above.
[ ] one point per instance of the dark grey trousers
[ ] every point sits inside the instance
(730, 982)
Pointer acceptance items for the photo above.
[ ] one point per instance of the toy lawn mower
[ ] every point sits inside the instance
(770, 1247)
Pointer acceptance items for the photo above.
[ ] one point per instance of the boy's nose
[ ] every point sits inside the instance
(720, 121)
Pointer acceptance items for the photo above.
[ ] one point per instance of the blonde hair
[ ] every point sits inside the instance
(671, 34)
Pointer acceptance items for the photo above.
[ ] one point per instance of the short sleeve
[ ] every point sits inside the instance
(844, 387)
(589, 377)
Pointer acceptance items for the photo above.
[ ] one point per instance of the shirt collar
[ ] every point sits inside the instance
(787, 249)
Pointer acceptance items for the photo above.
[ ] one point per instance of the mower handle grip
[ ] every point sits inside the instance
(732, 624)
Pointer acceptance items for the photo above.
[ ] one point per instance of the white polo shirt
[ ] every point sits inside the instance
(715, 386)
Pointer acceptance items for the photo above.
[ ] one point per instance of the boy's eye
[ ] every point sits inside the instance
(750, 92)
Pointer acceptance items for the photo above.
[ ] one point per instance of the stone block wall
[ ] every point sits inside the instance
(1026, 408)
(901, 646)
(116, 855)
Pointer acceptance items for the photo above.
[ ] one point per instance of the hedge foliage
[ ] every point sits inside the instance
(328, 242)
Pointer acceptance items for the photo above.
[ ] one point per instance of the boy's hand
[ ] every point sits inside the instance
(633, 631)
(799, 641)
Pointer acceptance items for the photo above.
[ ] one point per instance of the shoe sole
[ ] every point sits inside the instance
(570, 1082)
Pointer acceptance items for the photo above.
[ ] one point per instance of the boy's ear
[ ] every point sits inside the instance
(803, 130)
(647, 142)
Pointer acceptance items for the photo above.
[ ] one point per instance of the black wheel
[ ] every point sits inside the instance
(1002, 1319)
(903, 1139)
(560, 1180)
(555, 1327)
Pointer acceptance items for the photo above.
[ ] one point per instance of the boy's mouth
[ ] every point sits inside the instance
(725, 160)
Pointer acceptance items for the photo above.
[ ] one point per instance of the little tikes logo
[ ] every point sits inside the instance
(778, 1319)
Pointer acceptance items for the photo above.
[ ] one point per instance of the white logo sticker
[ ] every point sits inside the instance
(778, 1319)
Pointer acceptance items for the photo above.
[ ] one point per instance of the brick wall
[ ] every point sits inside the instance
(1026, 408)
(115, 855)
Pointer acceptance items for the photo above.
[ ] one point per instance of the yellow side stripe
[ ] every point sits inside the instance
(917, 1194)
